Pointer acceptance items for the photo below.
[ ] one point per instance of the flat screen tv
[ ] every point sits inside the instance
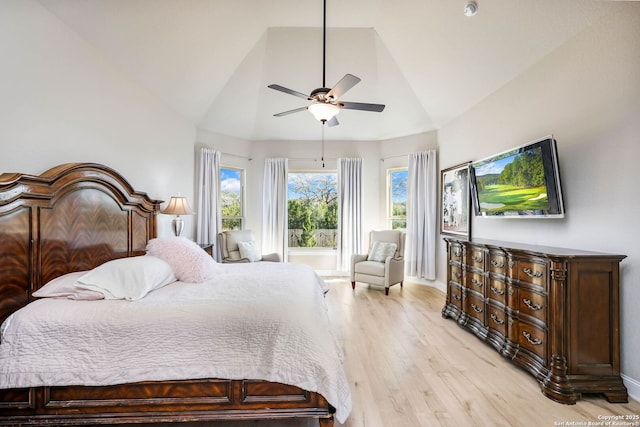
(520, 183)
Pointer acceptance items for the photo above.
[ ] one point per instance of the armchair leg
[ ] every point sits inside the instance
(386, 291)
(353, 285)
(400, 284)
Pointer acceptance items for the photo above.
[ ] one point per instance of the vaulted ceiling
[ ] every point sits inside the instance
(212, 60)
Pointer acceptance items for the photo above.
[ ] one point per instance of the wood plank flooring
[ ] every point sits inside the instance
(410, 367)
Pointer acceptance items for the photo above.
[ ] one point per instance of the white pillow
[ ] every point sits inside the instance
(250, 251)
(65, 287)
(128, 278)
(189, 261)
(380, 251)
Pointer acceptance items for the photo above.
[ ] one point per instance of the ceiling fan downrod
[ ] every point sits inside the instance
(324, 42)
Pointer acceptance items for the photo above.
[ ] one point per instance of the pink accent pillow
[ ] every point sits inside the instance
(65, 287)
(189, 262)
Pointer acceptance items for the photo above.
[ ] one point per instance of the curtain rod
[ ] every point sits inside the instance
(393, 157)
(236, 155)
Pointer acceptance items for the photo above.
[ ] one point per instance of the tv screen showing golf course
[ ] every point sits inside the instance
(523, 181)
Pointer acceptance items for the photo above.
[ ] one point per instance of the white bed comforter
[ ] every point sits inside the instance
(252, 321)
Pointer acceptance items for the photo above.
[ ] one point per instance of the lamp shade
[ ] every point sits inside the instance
(323, 111)
(178, 205)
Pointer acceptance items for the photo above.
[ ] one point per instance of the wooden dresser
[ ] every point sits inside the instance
(552, 311)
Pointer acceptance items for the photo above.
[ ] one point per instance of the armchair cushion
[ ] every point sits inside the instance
(371, 268)
(380, 251)
(249, 250)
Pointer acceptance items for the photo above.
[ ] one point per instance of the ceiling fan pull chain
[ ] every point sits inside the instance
(322, 157)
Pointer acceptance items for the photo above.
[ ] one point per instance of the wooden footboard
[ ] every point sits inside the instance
(166, 401)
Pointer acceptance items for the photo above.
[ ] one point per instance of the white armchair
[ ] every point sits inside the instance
(384, 264)
(240, 246)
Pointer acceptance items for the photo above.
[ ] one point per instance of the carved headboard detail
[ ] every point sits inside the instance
(73, 217)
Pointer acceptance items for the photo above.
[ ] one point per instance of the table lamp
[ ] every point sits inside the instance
(178, 205)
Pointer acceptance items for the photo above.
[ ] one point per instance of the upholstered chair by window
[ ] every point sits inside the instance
(384, 264)
(240, 246)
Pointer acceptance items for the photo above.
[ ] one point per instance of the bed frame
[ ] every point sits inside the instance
(75, 217)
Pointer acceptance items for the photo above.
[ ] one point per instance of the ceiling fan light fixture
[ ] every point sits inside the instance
(471, 8)
(323, 111)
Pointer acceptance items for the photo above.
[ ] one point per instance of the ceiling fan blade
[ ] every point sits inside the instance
(333, 122)
(285, 113)
(289, 91)
(346, 83)
(362, 106)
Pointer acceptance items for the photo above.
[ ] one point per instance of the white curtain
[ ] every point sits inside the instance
(209, 218)
(422, 202)
(274, 207)
(349, 211)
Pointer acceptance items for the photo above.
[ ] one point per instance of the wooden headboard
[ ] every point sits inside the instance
(73, 217)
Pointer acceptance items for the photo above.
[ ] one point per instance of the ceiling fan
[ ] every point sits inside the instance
(325, 104)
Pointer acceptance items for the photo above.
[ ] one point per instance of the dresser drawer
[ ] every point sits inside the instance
(532, 272)
(497, 319)
(455, 252)
(497, 290)
(475, 258)
(497, 263)
(474, 306)
(456, 295)
(532, 338)
(533, 304)
(456, 274)
(475, 281)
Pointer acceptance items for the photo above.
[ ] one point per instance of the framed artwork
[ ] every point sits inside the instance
(455, 201)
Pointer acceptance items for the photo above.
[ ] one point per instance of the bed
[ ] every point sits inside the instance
(77, 217)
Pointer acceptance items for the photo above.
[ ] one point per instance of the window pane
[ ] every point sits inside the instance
(397, 208)
(231, 198)
(312, 209)
(398, 224)
(231, 224)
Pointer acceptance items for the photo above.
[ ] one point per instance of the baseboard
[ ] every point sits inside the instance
(633, 387)
(332, 273)
(433, 283)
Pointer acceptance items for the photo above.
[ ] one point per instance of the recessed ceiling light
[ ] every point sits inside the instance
(471, 8)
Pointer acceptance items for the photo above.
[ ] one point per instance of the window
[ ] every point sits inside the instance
(397, 197)
(232, 197)
(312, 201)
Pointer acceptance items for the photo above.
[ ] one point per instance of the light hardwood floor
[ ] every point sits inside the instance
(410, 367)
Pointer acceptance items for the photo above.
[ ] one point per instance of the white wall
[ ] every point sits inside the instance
(61, 102)
(587, 93)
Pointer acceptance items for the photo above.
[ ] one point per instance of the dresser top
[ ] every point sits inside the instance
(546, 251)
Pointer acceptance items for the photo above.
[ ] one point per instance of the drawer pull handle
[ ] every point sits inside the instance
(478, 283)
(497, 291)
(527, 335)
(476, 308)
(456, 253)
(528, 303)
(530, 273)
(497, 264)
(477, 258)
(456, 297)
(496, 319)
(458, 275)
